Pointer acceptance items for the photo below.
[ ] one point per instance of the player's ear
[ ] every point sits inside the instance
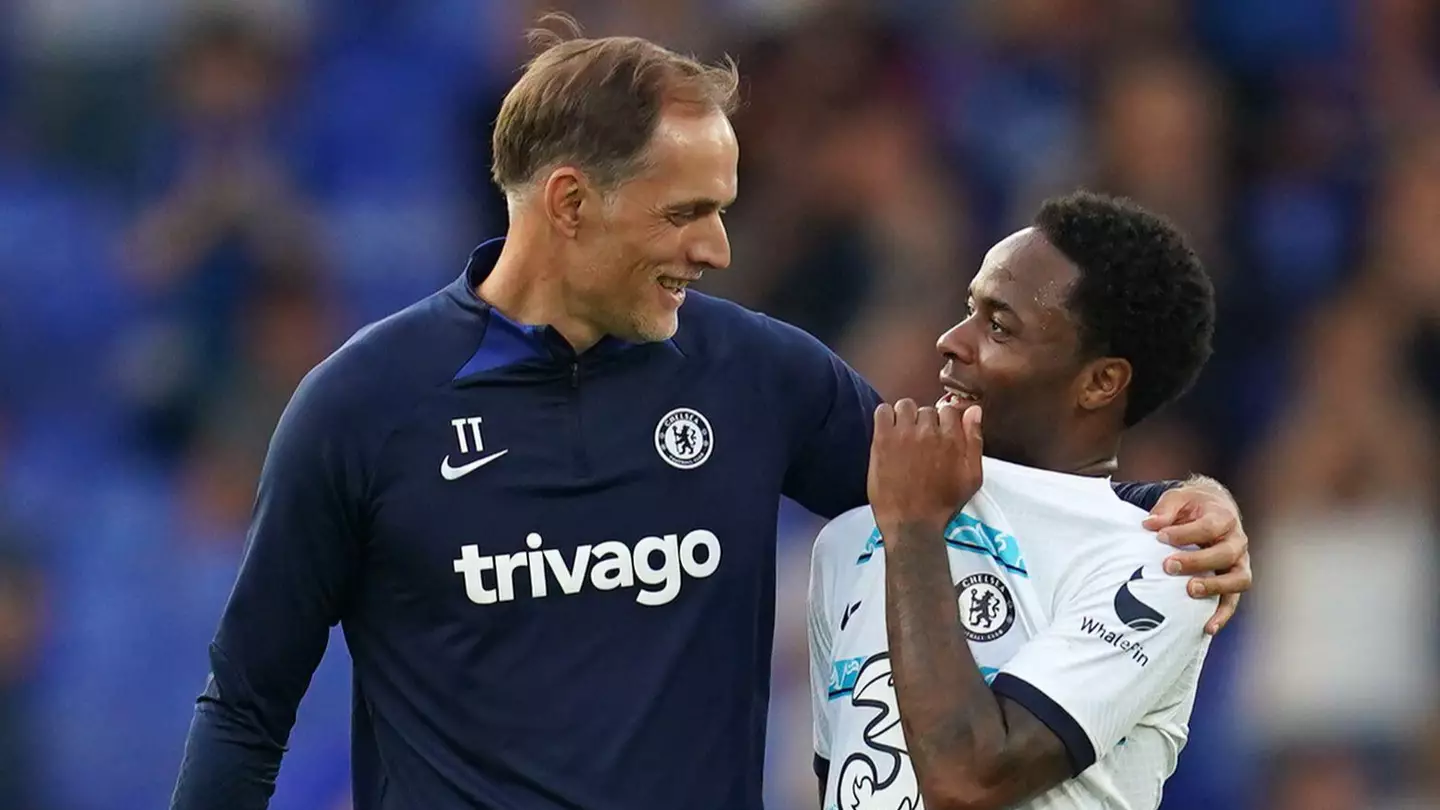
(1103, 381)
(564, 192)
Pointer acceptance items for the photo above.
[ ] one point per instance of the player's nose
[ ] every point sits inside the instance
(954, 344)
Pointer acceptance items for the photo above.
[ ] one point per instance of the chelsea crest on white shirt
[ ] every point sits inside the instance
(1067, 611)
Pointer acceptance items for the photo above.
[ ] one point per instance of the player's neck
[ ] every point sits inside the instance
(1088, 445)
(1098, 468)
(1079, 454)
(527, 286)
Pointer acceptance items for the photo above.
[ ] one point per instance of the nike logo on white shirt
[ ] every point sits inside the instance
(450, 473)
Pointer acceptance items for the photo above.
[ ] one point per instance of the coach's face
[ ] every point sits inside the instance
(1017, 351)
(661, 230)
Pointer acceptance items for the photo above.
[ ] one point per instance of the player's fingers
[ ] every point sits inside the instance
(905, 412)
(928, 419)
(949, 416)
(1224, 612)
(884, 421)
(971, 419)
(1209, 528)
(974, 437)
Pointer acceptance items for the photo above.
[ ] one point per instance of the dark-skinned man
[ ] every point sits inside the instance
(996, 628)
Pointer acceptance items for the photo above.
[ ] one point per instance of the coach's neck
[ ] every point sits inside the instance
(528, 282)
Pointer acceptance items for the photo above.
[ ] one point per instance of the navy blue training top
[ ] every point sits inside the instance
(555, 572)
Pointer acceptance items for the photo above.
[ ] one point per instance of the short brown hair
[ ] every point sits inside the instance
(595, 103)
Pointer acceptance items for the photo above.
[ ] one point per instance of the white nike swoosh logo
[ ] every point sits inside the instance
(451, 473)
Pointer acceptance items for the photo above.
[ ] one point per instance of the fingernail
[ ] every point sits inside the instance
(1196, 589)
(1163, 536)
(1172, 567)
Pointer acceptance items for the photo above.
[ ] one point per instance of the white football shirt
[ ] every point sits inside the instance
(1067, 612)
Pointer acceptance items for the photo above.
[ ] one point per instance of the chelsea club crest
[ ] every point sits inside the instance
(987, 610)
(684, 439)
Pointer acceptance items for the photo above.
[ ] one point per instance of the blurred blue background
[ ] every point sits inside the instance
(200, 200)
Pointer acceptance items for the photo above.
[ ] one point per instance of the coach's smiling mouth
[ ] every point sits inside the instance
(673, 288)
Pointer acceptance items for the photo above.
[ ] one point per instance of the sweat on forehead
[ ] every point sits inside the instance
(1025, 266)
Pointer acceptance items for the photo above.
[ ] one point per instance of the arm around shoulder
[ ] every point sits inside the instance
(828, 411)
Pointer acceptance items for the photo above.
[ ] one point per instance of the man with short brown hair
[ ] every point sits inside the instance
(578, 609)
(595, 103)
(588, 118)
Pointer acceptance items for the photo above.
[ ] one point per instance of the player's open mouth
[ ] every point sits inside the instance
(955, 395)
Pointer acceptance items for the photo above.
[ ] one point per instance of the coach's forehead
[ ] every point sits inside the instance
(1025, 270)
(698, 150)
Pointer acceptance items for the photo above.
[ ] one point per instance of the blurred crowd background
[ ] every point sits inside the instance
(199, 201)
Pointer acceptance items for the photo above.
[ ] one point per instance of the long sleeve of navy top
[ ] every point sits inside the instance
(514, 643)
(298, 570)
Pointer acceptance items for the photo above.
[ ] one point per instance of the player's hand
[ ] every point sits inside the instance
(924, 465)
(1206, 516)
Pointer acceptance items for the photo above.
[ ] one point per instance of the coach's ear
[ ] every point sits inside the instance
(1103, 381)
(564, 191)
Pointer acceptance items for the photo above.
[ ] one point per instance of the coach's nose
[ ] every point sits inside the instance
(710, 247)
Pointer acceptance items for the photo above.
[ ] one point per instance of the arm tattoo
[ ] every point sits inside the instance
(966, 744)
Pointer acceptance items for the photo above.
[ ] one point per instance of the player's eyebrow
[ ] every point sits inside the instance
(992, 303)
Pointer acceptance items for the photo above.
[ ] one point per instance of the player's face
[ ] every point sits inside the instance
(662, 230)
(1016, 352)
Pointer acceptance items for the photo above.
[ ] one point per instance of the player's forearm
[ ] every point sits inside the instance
(954, 727)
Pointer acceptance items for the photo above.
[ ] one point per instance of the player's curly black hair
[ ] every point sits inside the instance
(1143, 293)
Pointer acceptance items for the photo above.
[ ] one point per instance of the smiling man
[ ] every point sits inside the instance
(543, 501)
(998, 630)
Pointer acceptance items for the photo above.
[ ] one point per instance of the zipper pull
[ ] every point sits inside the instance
(575, 375)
